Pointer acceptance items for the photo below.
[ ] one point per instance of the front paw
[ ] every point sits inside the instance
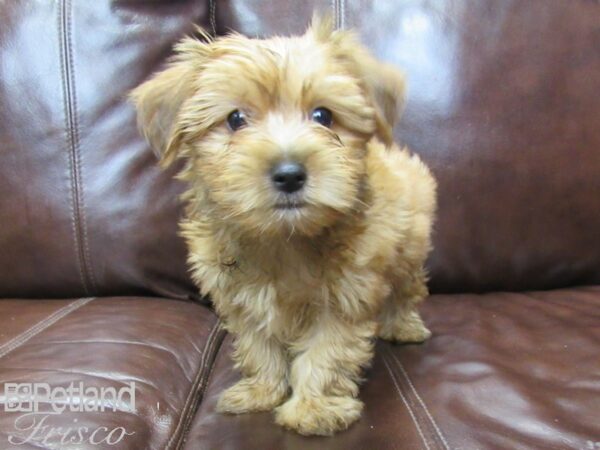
(408, 329)
(318, 415)
(249, 395)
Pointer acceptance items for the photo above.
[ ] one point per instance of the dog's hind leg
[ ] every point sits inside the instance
(399, 320)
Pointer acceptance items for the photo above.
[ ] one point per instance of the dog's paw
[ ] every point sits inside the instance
(250, 396)
(404, 334)
(407, 330)
(318, 415)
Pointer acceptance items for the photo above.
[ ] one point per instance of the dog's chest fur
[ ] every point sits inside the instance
(285, 282)
(279, 285)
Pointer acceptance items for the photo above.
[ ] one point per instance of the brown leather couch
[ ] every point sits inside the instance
(503, 104)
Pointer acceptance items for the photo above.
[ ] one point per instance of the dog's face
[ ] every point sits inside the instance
(274, 131)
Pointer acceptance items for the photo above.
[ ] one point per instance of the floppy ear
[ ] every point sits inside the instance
(383, 83)
(159, 100)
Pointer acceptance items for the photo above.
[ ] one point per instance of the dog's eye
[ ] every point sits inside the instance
(236, 120)
(323, 116)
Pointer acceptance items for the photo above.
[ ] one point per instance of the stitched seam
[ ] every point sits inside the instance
(204, 385)
(68, 138)
(420, 400)
(212, 367)
(195, 389)
(42, 325)
(184, 418)
(77, 141)
(213, 16)
(78, 221)
(334, 9)
(209, 341)
(405, 401)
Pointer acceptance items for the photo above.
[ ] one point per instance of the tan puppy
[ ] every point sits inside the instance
(306, 225)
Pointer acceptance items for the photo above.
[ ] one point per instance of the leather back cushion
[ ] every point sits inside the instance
(83, 208)
(502, 104)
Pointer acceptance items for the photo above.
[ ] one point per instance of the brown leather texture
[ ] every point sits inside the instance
(502, 104)
(502, 371)
(165, 347)
(84, 209)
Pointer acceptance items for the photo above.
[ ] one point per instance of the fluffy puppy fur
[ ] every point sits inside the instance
(304, 280)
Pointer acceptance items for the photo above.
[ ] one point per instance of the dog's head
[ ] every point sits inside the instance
(274, 131)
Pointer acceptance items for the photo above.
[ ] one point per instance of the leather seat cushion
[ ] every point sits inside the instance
(166, 347)
(502, 370)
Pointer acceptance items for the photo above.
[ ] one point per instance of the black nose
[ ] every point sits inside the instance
(288, 176)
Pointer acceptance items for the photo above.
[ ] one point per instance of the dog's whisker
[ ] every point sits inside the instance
(291, 233)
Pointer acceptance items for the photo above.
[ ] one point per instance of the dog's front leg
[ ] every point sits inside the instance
(325, 375)
(263, 386)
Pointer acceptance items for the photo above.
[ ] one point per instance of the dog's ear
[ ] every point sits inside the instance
(386, 87)
(159, 100)
(382, 83)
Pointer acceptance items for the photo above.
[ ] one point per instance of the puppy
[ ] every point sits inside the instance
(305, 223)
